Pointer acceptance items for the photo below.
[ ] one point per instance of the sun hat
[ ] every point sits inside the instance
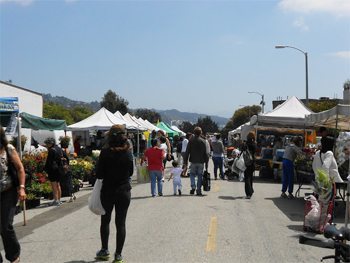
(50, 141)
(117, 129)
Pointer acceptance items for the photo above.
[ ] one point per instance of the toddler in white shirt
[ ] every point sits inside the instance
(176, 175)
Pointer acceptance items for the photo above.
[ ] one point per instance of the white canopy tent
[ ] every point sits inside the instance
(100, 120)
(147, 124)
(144, 127)
(337, 118)
(130, 119)
(238, 129)
(154, 127)
(130, 125)
(175, 128)
(291, 113)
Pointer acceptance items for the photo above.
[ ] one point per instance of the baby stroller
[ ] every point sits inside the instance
(228, 163)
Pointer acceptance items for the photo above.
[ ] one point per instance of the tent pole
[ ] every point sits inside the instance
(138, 143)
(19, 141)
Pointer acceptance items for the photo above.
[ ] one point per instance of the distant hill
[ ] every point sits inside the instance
(68, 103)
(167, 115)
(174, 115)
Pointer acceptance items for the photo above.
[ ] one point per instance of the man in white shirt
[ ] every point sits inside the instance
(184, 144)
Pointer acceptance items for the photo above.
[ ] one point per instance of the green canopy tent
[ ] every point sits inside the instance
(167, 129)
(37, 123)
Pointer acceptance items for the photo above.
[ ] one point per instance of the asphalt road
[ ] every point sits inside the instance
(221, 226)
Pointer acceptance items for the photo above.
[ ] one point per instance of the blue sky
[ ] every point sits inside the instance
(197, 56)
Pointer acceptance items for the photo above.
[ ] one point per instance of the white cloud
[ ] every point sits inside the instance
(341, 54)
(335, 7)
(300, 23)
(19, 2)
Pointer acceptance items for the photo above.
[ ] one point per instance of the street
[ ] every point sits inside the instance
(221, 226)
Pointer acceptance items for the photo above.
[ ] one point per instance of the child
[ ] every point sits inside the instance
(176, 175)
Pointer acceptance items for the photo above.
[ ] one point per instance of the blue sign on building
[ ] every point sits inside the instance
(9, 104)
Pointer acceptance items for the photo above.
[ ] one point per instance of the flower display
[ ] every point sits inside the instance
(96, 154)
(34, 163)
(81, 168)
(37, 184)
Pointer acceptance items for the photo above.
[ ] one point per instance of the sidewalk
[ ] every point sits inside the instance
(44, 205)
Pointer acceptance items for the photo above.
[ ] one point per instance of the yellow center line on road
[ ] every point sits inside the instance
(216, 187)
(211, 242)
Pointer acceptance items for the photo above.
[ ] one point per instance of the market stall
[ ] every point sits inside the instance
(337, 118)
(170, 132)
(285, 121)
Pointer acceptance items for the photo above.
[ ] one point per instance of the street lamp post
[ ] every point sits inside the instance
(262, 99)
(306, 70)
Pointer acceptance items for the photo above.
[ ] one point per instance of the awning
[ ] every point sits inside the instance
(336, 118)
(37, 123)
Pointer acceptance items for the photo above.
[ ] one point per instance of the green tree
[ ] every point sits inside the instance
(186, 127)
(243, 115)
(112, 102)
(56, 111)
(228, 127)
(207, 125)
(322, 105)
(80, 113)
(146, 114)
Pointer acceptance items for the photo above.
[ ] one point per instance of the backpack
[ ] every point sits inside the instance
(59, 163)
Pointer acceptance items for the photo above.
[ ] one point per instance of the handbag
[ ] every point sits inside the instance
(94, 201)
(240, 164)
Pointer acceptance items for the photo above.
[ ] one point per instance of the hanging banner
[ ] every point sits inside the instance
(11, 128)
(9, 104)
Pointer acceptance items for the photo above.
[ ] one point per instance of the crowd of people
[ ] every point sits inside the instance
(116, 166)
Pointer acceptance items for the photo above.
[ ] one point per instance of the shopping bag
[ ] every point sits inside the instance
(143, 174)
(95, 205)
(241, 176)
(240, 164)
(234, 167)
(206, 181)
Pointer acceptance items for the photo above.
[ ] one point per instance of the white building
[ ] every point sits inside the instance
(28, 101)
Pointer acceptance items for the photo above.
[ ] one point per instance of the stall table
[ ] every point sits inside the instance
(301, 178)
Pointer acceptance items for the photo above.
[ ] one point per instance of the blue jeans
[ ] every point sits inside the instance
(288, 176)
(218, 163)
(196, 169)
(156, 176)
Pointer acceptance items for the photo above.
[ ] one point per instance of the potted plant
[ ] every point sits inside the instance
(46, 190)
(64, 141)
(76, 185)
(32, 200)
(34, 188)
(23, 141)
